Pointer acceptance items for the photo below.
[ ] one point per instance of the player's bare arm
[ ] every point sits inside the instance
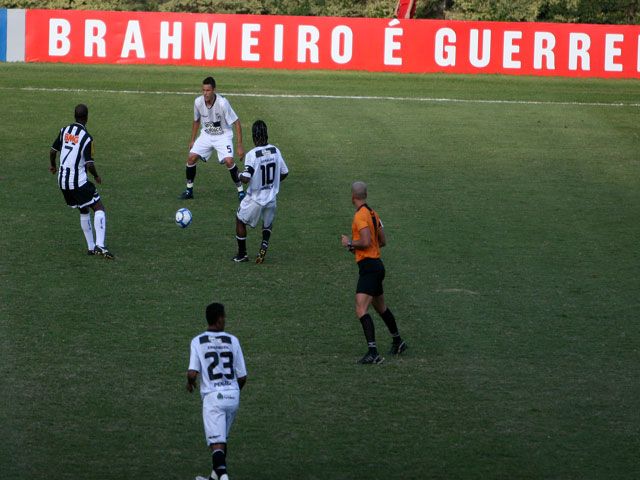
(52, 158)
(283, 176)
(382, 239)
(91, 167)
(363, 242)
(242, 381)
(240, 148)
(194, 132)
(244, 178)
(192, 375)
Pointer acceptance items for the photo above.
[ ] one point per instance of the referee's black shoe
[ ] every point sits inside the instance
(398, 348)
(373, 358)
(187, 195)
(104, 251)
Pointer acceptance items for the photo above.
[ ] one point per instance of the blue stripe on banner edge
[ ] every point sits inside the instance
(3, 34)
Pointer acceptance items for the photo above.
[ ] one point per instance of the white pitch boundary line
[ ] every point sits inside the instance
(331, 97)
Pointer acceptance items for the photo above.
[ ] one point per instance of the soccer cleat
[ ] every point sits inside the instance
(398, 348)
(240, 258)
(104, 251)
(241, 195)
(260, 257)
(187, 195)
(91, 253)
(372, 358)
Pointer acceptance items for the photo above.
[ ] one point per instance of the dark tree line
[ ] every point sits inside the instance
(568, 11)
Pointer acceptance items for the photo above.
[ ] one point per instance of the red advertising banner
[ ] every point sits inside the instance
(371, 44)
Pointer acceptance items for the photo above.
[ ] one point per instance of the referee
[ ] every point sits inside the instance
(367, 238)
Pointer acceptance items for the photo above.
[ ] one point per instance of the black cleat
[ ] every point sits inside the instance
(398, 348)
(372, 358)
(91, 253)
(104, 251)
(260, 257)
(187, 195)
(240, 258)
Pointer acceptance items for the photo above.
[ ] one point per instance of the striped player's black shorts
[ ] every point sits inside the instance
(82, 197)
(371, 277)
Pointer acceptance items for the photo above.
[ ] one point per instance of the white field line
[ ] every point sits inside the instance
(330, 97)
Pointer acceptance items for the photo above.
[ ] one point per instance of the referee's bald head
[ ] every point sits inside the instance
(359, 190)
(81, 112)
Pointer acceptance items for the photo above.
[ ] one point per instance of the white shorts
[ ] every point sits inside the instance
(206, 144)
(250, 212)
(218, 411)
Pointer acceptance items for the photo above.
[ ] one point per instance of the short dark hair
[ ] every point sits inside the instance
(209, 81)
(81, 112)
(259, 131)
(359, 190)
(214, 312)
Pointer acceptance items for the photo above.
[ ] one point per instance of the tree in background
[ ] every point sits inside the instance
(570, 11)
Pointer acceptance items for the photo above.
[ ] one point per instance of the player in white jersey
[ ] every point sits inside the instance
(76, 158)
(214, 114)
(264, 170)
(217, 355)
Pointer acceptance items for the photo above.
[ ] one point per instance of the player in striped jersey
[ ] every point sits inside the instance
(217, 355)
(367, 238)
(264, 169)
(214, 114)
(75, 145)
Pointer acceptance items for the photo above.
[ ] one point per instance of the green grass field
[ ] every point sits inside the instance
(512, 262)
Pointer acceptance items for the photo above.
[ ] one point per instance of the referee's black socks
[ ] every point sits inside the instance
(369, 332)
(390, 322)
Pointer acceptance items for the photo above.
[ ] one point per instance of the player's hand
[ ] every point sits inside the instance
(52, 169)
(240, 152)
(345, 241)
(189, 388)
(98, 179)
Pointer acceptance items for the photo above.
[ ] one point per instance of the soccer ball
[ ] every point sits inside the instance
(183, 217)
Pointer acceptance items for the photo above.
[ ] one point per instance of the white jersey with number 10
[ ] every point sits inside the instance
(264, 165)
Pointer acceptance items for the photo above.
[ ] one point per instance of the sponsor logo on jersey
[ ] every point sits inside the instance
(71, 138)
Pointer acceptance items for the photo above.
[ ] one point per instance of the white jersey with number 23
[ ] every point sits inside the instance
(217, 356)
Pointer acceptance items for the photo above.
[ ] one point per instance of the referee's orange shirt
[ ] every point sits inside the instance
(366, 217)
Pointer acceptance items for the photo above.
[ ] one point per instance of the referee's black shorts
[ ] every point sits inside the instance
(82, 197)
(371, 277)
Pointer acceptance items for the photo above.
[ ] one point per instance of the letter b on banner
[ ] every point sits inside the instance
(59, 30)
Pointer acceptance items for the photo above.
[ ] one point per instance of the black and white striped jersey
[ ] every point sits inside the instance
(75, 145)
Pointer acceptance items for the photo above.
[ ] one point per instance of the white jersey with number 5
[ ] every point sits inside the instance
(215, 120)
(263, 165)
(217, 356)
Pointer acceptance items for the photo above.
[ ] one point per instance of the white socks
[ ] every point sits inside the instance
(85, 223)
(100, 221)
